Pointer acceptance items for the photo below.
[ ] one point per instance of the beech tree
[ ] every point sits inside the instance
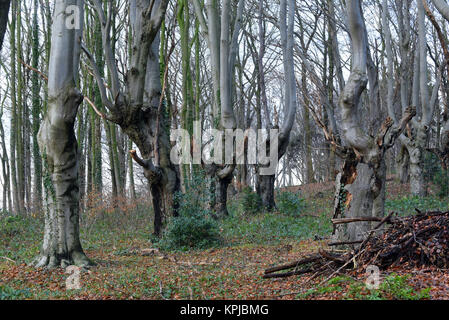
(61, 245)
(136, 104)
(362, 176)
(287, 9)
(443, 151)
(416, 144)
(223, 47)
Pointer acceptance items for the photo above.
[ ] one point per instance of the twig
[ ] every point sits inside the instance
(339, 243)
(43, 76)
(102, 115)
(292, 264)
(286, 274)
(355, 219)
(161, 291)
(339, 269)
(8, 259)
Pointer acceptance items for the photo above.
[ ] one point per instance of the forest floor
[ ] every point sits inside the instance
(130, 267)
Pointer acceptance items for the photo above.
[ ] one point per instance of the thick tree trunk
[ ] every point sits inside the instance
(163, 180)
(156, 195)
(58, 145)
(361, 186)
(379, 200)
(403, 165)
(61, 246)
(416, 149)
(444, 154)
(359, 196)
(222, 196)
(417, 183)
(266, 191)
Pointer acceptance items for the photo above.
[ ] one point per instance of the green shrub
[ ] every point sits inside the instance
(249, 202)
(289, 203)
(194, 228)
(194, 231)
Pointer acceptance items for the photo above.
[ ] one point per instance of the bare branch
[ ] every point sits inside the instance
(100, 82)
(143, 163)
(43, 76)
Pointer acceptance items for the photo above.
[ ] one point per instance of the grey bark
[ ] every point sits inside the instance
(363, 174)
(266, 182)
(138, 109)
(61, 245)
(443, 151)
(223, 47)
(416, 142)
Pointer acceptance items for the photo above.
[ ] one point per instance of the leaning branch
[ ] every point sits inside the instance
(43, 76)
(143, 163)
(439, 32)
(390, 136)
(102, 115)
(99, 79)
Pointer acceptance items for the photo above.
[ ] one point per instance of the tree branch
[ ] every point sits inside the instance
(143, 163)
(391, 136)
(100, 81)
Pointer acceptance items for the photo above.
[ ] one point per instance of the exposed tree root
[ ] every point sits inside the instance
(54, 261)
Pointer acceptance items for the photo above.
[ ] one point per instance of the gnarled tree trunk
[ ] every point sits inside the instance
(138, 108)
(58, 145)
(362, 180)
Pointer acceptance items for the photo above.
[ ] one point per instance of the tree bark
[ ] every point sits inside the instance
(266, 191)
(37, 161)
(266, 183)
(4, 11)
(403, 165)
(58, 145)
(138, 107)
(362, 180)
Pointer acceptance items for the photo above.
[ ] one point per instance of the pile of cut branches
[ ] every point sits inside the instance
(412, 241)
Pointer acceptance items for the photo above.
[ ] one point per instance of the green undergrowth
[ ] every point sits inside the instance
(407, 205)
(393, 287)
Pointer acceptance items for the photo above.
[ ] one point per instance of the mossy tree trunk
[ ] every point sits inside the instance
(61, 245)
(137, 107)
(361, 182)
